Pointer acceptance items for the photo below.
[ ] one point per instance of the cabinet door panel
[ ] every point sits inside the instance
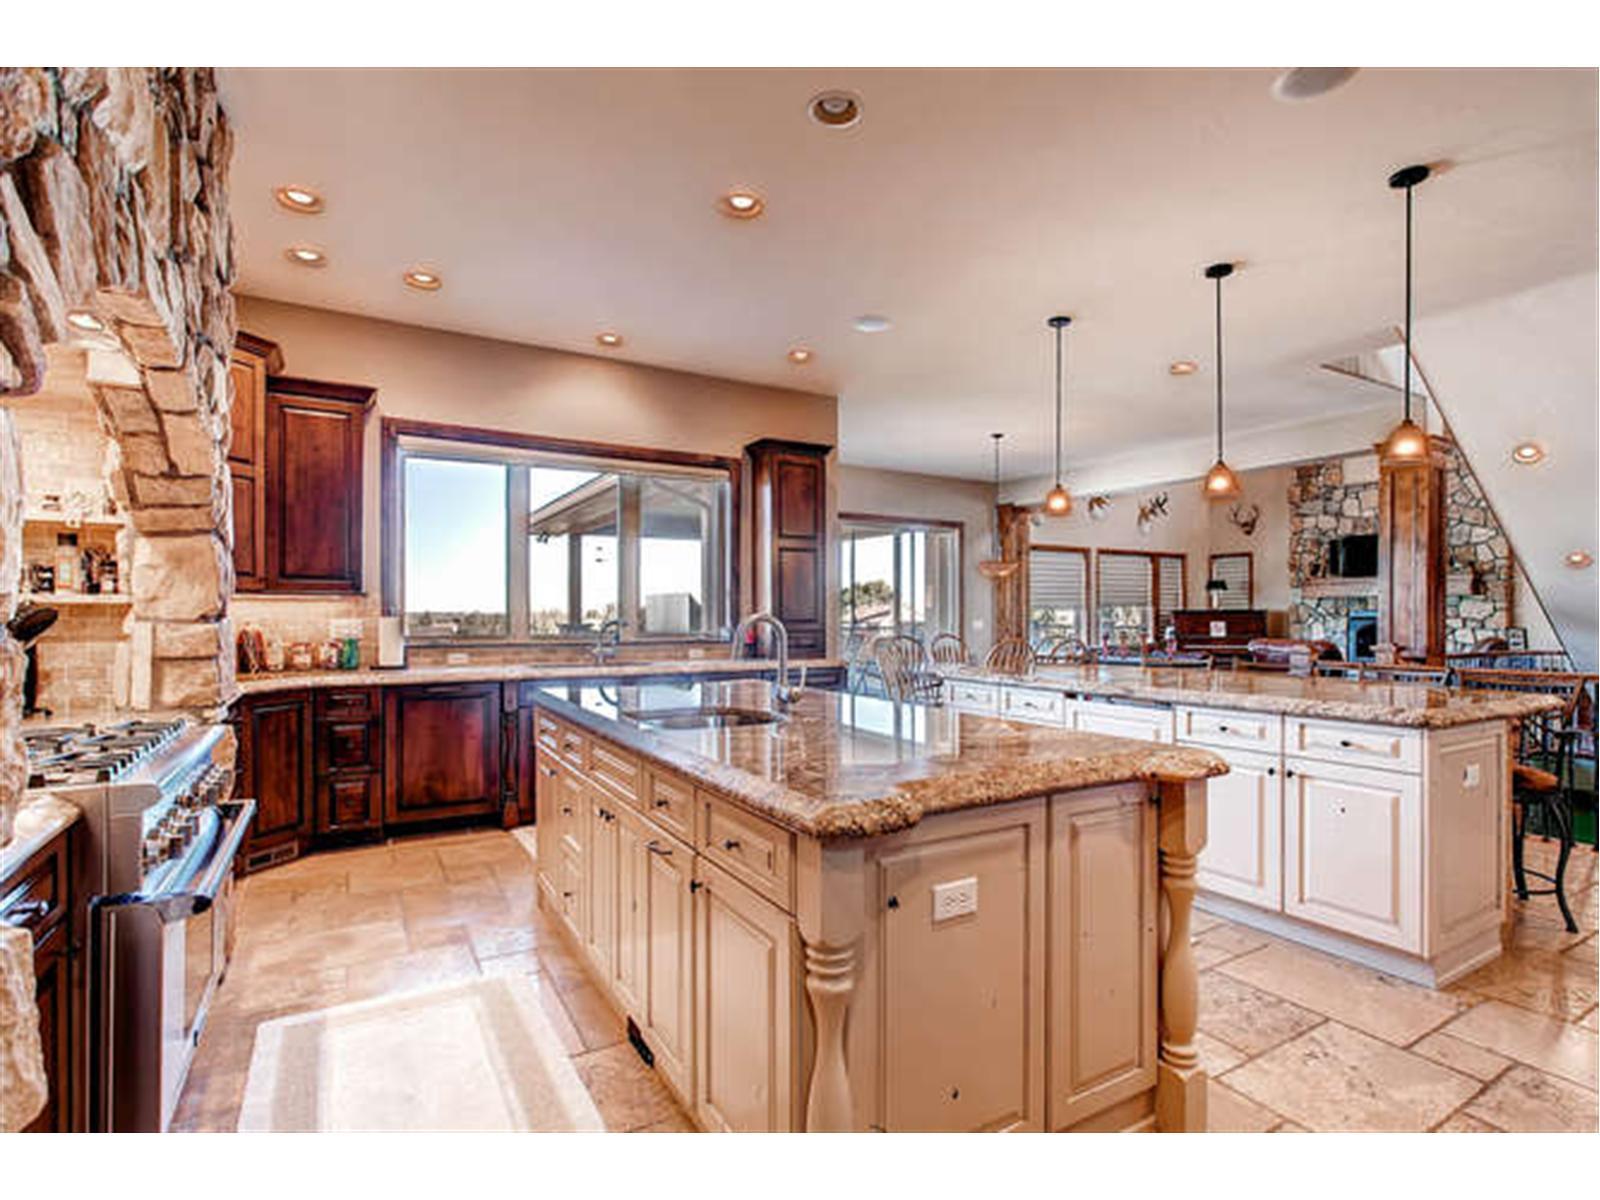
(668, 930)
(350, 803)
(1104, 915)
(1243, 855)
(631, 965)
(277, 732)
(743, 1008)
(1353, 849)
(53, 995)
(443, 752)
(248, 376)
(313, 494)
(246, 532)
(600, 867)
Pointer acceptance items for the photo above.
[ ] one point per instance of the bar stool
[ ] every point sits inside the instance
(1550, 792)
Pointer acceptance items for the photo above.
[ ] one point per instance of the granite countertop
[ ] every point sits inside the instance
(1411, 704)
(278, 681)
(840, 765)
(40, 817)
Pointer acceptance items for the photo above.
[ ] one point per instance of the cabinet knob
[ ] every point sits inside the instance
(1345, 743)
(696, 885)
(1272, 770)
(894, 902)
(1289, 772)
(1222, 729)
(730, 844)
(663, 803)
(566, 810)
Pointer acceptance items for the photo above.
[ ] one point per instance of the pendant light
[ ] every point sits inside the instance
(1406, 443)
(1221, 483)
(997, 567)
(1058, 501)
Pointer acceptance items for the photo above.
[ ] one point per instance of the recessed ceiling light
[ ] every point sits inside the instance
(1525, 454)
(306, 256)
(298, 199)
(1307, 83)
(872, 323)
(741, 204)
(423, 281)
(1578, 559)
(835, 108)
(608, 339)
(1184, 366)
(87, 322)
(800, 356)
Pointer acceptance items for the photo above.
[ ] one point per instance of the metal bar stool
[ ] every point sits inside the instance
(1550, 794)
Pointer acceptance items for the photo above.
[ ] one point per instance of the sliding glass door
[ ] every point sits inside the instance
(898, 577)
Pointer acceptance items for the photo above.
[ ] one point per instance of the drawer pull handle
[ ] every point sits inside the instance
(656, 847)
(660, 803)
(26, 913)
(730, 843)
(566, 810)
(567, 895)
(548, 772)
(1345, 743)
(1222, 729)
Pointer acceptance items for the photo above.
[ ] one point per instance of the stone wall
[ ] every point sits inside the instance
(113, 210)
(1480, 574)
(1324, 505)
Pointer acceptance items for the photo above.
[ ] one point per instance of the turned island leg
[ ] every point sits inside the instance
(829, 883)
(1180, 1080)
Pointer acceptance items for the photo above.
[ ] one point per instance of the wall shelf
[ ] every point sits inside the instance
(79, 599)
(61, 520)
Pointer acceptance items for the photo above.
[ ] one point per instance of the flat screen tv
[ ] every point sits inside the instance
(1353, 557)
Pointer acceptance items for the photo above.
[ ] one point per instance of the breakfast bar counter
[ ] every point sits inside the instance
(797, 907)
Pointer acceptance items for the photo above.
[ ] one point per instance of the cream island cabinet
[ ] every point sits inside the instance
(1368, 820)
(872, 916)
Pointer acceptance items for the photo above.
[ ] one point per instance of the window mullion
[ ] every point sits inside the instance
(517, 551)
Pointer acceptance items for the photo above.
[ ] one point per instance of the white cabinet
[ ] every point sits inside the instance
(1353, 851)
(1226, 728)
(667, 938)
(972, 697)
(1139, 721)
(1386, 747)
(1037, 705)
(1243, 855)
(600, 866)
(629, 960)
(744, 1007)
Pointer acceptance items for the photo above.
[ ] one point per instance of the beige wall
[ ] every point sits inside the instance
(864, 490)
(430, 375)
(1268, 490)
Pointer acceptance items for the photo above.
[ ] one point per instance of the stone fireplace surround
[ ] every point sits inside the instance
(113, 203)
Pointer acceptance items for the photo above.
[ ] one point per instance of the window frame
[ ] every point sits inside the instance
(1250, 574)
(1090, 587)
(894, 527)
(638, 458)
(1152, 558)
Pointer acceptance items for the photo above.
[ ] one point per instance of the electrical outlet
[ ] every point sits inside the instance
(957, 898)
(1470, 777)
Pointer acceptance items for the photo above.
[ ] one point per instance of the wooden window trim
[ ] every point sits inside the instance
(391, 522)
(1090, 585)
(1155, 578)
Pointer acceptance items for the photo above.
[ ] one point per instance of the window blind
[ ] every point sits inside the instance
(1124, 579)
(1234, 570)
(1058, 593)
(1169, 589)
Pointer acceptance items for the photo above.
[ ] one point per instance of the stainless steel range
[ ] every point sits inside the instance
(163, 831)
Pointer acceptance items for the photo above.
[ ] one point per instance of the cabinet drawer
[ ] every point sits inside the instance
(36, 898)
(1032, 704)
(756, 852)
(1383, 746)
(1125, 720)
(615, 770)
(573, 748)
(669, 802)
(974, 697)
(348, 745)
(547, 730)
(1228, 728)
(349, 803)
(346, 704)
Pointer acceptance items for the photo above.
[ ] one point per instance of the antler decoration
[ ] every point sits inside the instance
(1245, 518)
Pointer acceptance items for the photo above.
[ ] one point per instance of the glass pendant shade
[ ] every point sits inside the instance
(1406, 443)
(1221, 482)
(997, 568)
(1058, 501)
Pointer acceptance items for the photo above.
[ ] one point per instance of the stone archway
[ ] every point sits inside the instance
(114, 210)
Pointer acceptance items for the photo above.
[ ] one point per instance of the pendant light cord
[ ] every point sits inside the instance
(1406, 368)
(1219, 368)
(997, 551)
(1058, 406)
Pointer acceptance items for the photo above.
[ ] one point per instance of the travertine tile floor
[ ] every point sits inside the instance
(358, 924)
(1295, 1040)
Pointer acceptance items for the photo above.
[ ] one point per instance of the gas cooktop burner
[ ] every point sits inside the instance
(70, 754)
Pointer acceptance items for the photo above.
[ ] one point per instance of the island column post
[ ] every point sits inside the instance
(1180, 1079)
(831, 914)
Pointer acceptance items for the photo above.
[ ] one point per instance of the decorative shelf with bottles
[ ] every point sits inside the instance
(79, 599)
(67, 521)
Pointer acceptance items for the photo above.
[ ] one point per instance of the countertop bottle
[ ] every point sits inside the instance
(69, 572)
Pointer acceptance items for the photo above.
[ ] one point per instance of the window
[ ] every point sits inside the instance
(898, 577)
(1237, 571)
(1136, 594)
(505, 541)
(1058, 594)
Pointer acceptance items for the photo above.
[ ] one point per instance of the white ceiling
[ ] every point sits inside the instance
(967, 206)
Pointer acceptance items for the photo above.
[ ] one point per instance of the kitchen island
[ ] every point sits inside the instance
(854, 914)
(1370, 820)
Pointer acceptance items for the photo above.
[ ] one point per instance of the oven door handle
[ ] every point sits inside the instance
(207, 879)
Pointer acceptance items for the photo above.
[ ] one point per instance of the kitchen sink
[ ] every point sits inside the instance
(709, 717)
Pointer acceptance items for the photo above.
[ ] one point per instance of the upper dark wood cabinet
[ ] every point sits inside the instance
(442, 751)
(296, 458)
(254, 358)
(313, 484)
(791, 538)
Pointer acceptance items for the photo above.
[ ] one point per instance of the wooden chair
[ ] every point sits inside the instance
(1064, 650)
(1010, 656)
(947, 649)
(906, 670)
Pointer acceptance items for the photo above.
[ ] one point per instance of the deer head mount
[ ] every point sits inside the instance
(1151, 511)
(1244, 518)
(1099, 507)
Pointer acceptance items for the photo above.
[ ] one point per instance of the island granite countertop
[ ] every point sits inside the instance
(839, 765)
(1329, 699)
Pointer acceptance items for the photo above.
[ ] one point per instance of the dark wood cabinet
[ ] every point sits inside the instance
(275, 770)
(313, 501)
(442, 752)
(350, 803)
(789, 481)
(41, 895)
(349, 761)
(254, 358)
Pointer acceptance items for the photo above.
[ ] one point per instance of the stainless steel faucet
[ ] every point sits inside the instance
(603, 649)
(782, 693)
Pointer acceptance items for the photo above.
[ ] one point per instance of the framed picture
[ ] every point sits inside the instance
(1516, 637)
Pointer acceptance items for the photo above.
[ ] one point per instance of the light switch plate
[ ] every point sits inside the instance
(1470, 776)
(957, 898)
